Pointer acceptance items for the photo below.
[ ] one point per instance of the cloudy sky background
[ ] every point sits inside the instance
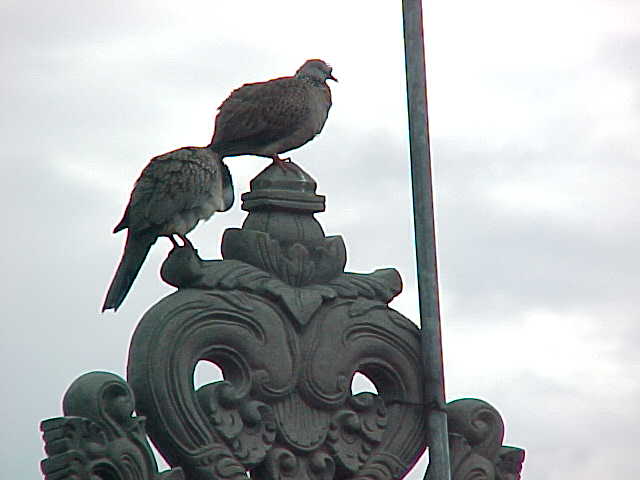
(534, 111)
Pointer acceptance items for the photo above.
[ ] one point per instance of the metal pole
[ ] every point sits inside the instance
(437, 431)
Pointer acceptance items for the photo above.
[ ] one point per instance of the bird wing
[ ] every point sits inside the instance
(173, 193)
(265, 111)
(175, 183)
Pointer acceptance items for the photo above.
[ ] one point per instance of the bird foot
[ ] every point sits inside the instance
(185, 241)
(283, 163)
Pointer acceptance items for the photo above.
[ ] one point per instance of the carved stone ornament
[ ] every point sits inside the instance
(98, 439)
(289, 330)
(476, 431)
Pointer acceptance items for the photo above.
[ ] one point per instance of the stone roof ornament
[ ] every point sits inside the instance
(289, 330)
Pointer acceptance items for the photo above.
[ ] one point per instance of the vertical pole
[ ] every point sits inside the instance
(438, 437)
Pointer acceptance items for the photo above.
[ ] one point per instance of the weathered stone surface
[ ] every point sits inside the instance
(98, 438)
(289, 328)
(476, 431)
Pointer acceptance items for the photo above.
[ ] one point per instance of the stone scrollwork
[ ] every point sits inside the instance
(476, 431)
(98, 438)
(289, 329)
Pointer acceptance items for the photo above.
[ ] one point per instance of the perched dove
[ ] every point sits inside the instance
(178, 189)
(269, 118)
(174, 192)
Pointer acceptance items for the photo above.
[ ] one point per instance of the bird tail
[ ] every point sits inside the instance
(135, 251)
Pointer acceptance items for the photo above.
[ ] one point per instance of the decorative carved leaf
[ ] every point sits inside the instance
(301, 425)
(382, 285)
(362, 306)
(297, 268)
(184, 269)
(303, 303)
(295, 263)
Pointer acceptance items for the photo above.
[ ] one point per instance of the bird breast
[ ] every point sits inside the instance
(320, 100)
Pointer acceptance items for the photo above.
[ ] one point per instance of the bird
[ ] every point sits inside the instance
(179, 188)
(173, 193)
(268, 118)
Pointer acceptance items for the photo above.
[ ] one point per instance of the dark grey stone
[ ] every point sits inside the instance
(98, 438)
(289, 329)
(476, 431)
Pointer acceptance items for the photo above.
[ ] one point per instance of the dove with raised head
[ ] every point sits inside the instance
(273, 117)
(173, 193)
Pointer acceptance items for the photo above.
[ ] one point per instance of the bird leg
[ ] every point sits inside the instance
(281, 162)
(186, 241)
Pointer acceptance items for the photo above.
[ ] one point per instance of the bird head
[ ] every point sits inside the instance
(316, 70)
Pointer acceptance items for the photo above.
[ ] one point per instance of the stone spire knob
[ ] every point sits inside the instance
(288, 188)
(281, 203)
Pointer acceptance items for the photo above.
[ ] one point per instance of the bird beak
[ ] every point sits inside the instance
(331, 77)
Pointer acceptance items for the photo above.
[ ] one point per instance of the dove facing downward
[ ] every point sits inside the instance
(174, 192)
(178, 189)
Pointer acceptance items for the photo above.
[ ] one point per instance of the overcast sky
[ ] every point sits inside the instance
(534, 112)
